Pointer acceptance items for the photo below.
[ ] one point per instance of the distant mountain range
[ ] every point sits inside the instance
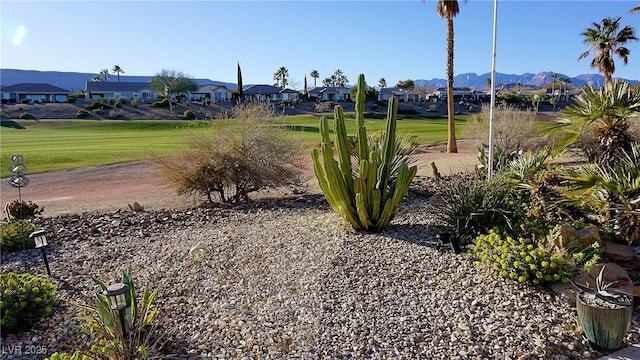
(540, 79)
(74, 81)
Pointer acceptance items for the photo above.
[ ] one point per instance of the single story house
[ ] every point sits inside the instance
(386, 93)
(33, 92)
(459, 94)
(211, 91)
(330, 93)
(269, 93)
(113, 90)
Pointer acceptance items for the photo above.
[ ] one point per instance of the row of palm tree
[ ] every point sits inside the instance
(104, 74)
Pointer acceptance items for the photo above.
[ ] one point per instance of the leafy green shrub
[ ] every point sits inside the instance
(95, 104)
(26, 116)
(141, 337)
(239, 157)
(527, 262)
(82, 113)
(25, 299)
(369, 201)
(23, 210)
(15, 235)
(164, 103)
(64, 356)
(189, 115)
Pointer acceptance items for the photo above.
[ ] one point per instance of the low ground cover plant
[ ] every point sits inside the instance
(25, 299)
(15, 235)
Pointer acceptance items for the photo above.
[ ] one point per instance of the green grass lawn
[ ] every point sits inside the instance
(49, 145)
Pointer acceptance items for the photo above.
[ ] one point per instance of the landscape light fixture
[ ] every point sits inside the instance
(117, 295)
(40, 238)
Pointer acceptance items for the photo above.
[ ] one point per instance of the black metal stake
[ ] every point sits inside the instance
(46, 262)
(124, 330)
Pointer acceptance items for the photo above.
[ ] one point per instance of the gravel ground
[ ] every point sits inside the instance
(287, 280)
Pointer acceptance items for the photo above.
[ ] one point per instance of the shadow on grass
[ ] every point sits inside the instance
(10, 124)
(303, 128)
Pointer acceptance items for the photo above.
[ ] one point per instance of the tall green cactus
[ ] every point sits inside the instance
(370, 201)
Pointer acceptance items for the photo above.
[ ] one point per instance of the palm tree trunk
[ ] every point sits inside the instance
(452, 146)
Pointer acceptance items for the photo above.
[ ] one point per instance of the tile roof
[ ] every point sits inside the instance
(33, 88)
(261, 89)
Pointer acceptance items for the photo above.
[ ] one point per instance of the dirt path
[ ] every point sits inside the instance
(111, 187)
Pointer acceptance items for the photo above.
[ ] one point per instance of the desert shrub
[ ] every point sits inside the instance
(526, 261)
(189, 115)
(473, 206)
(37, 102)
(82, 113)
(98, 111)
(25, 101)
(134, 102)
(241, 155)
(114, 114)
(72, 99)
(323, 107)
(22, 210)
(95, 104)
(164, 103)
(25, 299)
(141, 336)
(513, 129)
(15, 235)
(26, 115)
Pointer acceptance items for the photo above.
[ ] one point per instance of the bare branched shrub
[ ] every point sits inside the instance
(243, 154)
(513, 129)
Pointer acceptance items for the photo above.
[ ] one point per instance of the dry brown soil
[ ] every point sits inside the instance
(111, 187)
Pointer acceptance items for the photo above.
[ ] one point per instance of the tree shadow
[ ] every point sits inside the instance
(11, 124)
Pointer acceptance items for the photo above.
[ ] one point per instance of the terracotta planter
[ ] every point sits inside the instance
(605, 328)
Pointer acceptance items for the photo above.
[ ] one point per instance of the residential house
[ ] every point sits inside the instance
(269, 93)
(113, 90)
(33, 92)
(386, 93)
(329, 93)
(459, 94)
(211, 91)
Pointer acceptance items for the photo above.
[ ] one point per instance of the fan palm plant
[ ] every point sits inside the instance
(615, 188)
(607, 112)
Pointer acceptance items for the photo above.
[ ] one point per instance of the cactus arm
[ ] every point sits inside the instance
(388, 146)
(405, 176)
(342, 147)
(363, 143)
(363, 215)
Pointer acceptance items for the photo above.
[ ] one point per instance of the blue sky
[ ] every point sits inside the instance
(396, 40)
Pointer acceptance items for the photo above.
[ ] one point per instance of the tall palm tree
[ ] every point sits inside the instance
(315, 75)
(280, 76)
(634, 10)
(448, 9)
(117, 70)
(105, 74)
(604, 40)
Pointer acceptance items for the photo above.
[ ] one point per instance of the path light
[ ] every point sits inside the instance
(40, 239)
(117, 295)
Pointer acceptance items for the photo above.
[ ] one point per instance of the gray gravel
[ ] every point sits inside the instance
(289, 280)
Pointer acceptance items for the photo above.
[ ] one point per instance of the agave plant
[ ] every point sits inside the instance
(606, 112)
(608, 293)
